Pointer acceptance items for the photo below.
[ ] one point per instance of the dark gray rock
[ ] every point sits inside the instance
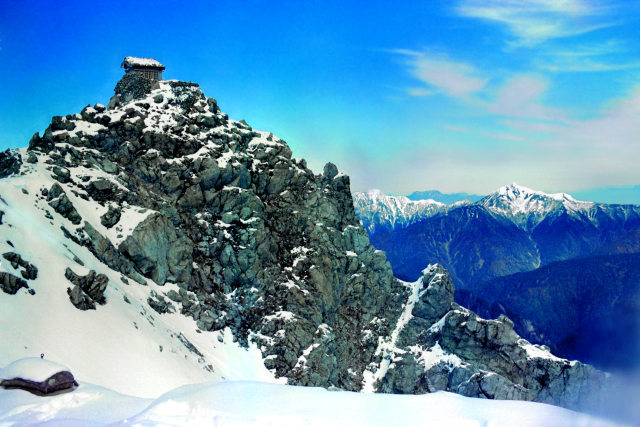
(57, 382)
(330, 171)
(102, 190)
(436, 297)
(102, 248)
(80, 299)
(159, 304)
(11, 284)
(92, 284)
(61, 174)
(63, 205)
(9, 163)
(111, 217)
(29, 271)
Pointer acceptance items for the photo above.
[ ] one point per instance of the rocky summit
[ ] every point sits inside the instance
(161, 198)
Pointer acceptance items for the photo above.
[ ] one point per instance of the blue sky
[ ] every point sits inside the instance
(461, 95)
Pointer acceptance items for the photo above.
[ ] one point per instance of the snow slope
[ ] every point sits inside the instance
(253, 403)
(122, 345)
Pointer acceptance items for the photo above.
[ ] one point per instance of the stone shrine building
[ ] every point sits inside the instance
(149, 68)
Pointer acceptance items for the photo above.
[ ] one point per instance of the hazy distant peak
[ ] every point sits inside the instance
(515, 190)
(446, 198)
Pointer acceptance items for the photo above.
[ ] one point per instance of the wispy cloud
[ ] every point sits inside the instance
(534, 128)
(490, 135)
(521, 96)
(418, 91)
(586, 66)
(442, 74)
(535, 21)
(611, 55)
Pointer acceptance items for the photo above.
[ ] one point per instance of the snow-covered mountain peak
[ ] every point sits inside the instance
(515, 191)
(527, 207)
(377, 209)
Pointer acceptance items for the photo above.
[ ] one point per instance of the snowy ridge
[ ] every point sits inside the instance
(378, 210)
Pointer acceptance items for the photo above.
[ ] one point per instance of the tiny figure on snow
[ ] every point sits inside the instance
(41, 355)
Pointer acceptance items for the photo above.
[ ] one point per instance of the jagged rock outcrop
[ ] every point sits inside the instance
(29, 271)
(447, 347)
(173, 191)
(11, 284)
(59, 201)
(111, 217)
(9, 163)
(88, 289)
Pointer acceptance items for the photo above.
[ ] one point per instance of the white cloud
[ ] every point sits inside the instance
(521, 97)
(452, 78)
(617, 128)
(535, 21)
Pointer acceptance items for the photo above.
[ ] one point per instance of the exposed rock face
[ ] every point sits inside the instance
(158, 252)
(256, 242)
(111, 217)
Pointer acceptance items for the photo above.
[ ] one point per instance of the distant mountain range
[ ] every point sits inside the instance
(629, 194)
(513, 230)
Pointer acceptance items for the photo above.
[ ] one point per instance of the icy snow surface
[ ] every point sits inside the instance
(253, 403)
